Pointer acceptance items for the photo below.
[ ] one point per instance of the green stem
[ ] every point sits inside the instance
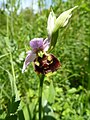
(89, 71)
(40, 95)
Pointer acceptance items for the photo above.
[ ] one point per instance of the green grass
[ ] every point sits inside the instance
(66, 93)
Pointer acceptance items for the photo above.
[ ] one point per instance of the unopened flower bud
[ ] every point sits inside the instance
(62, 20)
(51, 23)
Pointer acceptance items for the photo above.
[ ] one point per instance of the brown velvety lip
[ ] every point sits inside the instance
(48, 63)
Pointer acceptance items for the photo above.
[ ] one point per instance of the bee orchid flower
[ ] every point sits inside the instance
(43, 62)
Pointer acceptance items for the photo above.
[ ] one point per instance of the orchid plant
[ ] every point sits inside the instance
(45, 62)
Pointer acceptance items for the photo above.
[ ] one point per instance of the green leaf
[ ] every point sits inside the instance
(1, 111)
(72, 91)
(12, 117)
(26, 113)
(13, 105)
(51, 95)
(21, 115)
(48, 117)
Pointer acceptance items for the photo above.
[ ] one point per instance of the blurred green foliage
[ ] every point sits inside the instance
(66, 94)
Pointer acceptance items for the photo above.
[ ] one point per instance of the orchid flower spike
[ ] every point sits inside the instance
(43, 62)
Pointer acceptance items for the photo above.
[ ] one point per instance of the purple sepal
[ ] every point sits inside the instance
(36, 44)
(29, 58)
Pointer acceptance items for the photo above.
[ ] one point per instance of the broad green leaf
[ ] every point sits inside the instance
(13, 105)
(21, 115)
(51, 95)
(25, 111)
(29, 110)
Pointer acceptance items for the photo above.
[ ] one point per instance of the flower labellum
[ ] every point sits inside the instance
(43, 62)
(48, 63)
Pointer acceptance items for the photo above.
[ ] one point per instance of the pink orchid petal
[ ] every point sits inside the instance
(28, 52)
(36, 43)
(29, 58)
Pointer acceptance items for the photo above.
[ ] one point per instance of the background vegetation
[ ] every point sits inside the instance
(66, 93)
